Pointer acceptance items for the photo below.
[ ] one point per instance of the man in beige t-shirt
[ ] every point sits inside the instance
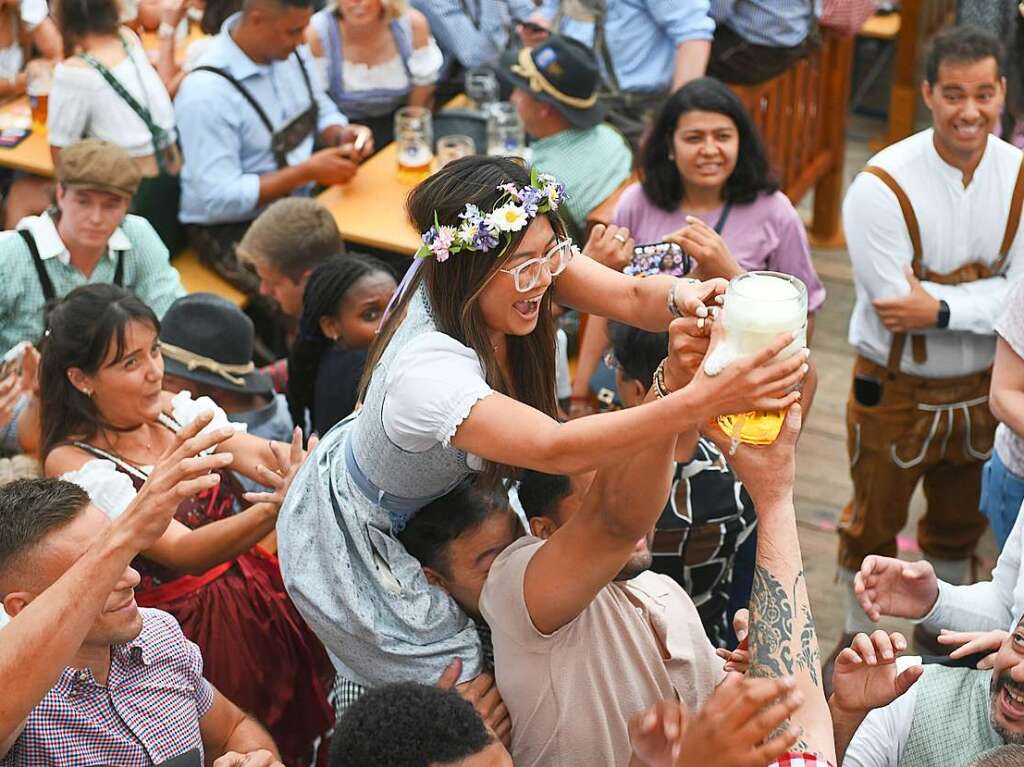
(572, 689)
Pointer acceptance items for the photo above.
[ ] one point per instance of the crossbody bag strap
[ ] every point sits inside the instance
(245, 93)
(44, 279)
(723, 218)
(157, 135)
(899, 340)
(1012, 220)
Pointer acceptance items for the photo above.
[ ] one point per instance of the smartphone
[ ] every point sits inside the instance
(11, 137)
(11, 362)
(659, 258)
(867, 390)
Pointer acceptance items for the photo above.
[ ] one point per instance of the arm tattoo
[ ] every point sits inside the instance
(771, 626)
(810, 657)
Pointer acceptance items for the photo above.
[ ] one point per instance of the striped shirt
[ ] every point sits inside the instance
(774, 23)
(147, 713)
(147, 273)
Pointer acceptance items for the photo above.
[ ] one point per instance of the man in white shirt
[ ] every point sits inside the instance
(932, 232)
(888, 713)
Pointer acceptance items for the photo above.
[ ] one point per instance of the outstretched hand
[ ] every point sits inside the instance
(866, 676)
(889, 586)
(288, 464)
(657, 734)
(970, 642)
(182, 472)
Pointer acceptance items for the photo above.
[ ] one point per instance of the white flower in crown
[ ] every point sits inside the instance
(508, 218)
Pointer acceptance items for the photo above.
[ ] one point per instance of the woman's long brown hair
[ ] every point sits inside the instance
(453, 287)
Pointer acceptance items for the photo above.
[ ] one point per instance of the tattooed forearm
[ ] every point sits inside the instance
(809, 657)
(771, 626)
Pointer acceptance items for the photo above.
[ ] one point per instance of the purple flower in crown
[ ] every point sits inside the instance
(485, 238)
(530, 198)
(510, 189)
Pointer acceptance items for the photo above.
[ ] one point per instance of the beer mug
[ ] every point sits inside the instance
(454, 147)
(482, 88)
(505, 132)
(758, 307)
(414, 140)
(39, 79)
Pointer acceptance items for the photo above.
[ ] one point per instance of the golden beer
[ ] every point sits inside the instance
(414, 140)
(758, 307)
(415, 162)
(40, 107)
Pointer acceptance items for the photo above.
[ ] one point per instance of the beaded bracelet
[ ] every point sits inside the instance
(659, 380)
(673, 307)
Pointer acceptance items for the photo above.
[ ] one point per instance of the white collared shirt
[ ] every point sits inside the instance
(958, 226)
(44, 230)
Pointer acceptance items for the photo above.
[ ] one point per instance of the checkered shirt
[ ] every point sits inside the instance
(147, 713)
(800, 760)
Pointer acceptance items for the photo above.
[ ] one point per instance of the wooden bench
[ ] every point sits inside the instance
(919, 21)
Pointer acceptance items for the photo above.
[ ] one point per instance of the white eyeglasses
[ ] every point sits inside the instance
(529, 273)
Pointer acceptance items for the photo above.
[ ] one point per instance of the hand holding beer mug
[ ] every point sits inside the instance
(38, 79)
(758, 307)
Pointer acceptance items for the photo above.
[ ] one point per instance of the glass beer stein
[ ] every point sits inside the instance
(759, 306)
(414, 140)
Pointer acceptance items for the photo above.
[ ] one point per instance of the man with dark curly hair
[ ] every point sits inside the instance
(437, 728)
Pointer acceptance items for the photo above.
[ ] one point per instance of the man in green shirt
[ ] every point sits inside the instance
(556, 84)
(87, 238)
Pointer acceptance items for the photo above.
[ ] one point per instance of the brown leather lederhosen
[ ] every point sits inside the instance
(938, 431)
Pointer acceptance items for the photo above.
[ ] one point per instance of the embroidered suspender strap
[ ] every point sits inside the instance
(119, 270)
(309, 83)
(44, 279)
(158, 135)
(899, 340)
(1012, 221)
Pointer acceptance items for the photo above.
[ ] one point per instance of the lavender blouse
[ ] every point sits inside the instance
(766, 234)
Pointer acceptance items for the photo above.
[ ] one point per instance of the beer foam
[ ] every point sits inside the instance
(763, 303)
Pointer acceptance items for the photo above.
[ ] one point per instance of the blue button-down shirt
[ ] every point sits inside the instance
(225, 144)
(641, 36)
(474, 32)
(776, 23)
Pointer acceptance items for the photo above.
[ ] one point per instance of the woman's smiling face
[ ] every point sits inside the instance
(505, 310)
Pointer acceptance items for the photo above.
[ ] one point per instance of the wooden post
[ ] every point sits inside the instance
(828, 191)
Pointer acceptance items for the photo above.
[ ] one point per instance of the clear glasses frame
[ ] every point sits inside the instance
(529, 273)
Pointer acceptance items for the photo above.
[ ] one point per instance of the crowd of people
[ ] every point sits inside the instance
(371, 517)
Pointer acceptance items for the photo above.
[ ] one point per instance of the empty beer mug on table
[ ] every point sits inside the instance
(454, 147)
(482, 88)
(414, 140)
(38, 81)
(505, 132)
(758, 307)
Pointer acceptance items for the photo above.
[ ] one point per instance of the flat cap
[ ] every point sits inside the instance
(95, 164)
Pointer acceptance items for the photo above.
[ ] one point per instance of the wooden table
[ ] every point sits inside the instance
(370, 209)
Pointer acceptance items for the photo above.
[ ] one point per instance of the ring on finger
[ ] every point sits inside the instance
(620, 237)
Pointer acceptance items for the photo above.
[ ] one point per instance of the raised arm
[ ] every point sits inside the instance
(782, 638)
(621, 507)
(531, 440)
(32, 652)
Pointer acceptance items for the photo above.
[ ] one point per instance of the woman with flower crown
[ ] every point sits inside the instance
(461, 382)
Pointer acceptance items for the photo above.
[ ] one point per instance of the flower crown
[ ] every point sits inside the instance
(482, 232)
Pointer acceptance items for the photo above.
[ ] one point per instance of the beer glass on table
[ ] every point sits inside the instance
(758, 307)
(505, 132)
(414, 140)
(454, 147)
(39, 79)
(482, 88)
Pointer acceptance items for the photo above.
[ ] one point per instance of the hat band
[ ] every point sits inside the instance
(193, 361)
(528, 69)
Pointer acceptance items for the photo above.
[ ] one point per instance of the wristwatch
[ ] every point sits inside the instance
(943, 320)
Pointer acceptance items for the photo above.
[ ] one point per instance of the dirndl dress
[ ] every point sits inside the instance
(362, 593)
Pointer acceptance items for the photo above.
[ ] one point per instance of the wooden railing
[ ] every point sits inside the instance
(920, 20)
(801, 115)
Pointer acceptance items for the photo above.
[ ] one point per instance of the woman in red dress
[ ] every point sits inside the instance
(104, 415)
